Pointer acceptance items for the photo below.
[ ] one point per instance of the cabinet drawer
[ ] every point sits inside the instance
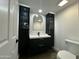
(40, 42)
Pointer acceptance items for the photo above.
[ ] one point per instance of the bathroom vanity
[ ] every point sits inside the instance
(41, 33)
(36, 32)
(38, 45)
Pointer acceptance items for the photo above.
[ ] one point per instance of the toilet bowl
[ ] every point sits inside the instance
(65, 55)
(72, 50)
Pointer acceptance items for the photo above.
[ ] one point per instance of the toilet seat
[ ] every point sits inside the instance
(65, 55)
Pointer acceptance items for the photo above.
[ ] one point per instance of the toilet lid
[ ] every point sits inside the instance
(66, 55)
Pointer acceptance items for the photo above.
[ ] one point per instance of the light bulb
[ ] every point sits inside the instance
(40, 10)
(36, 15)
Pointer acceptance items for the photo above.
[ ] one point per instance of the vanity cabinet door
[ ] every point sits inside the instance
(50, 24)
(39, 45)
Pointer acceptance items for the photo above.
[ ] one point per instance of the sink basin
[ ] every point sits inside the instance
(42, 35)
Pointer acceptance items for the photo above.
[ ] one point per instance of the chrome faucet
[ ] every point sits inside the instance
(38, 33)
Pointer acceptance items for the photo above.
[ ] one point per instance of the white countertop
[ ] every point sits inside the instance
(33, 36)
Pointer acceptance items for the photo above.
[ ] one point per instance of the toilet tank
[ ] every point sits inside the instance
(72, 46)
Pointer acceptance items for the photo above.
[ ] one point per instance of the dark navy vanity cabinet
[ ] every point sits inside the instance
(23, 44)
(39, 45)
(27, 46)
(50, 26)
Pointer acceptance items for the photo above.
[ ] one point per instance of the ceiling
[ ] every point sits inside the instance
(45, 5)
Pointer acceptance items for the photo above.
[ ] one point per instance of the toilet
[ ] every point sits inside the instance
(71, 52)
(65, 55)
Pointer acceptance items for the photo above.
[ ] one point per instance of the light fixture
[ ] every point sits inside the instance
(62, 3)
(36, 15)
(40, 10)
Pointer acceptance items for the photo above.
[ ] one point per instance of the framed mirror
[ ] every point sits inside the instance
(38, 23)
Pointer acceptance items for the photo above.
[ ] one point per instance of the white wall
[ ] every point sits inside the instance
(66, 25)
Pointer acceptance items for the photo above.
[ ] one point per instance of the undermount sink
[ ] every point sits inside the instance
(42, 35)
